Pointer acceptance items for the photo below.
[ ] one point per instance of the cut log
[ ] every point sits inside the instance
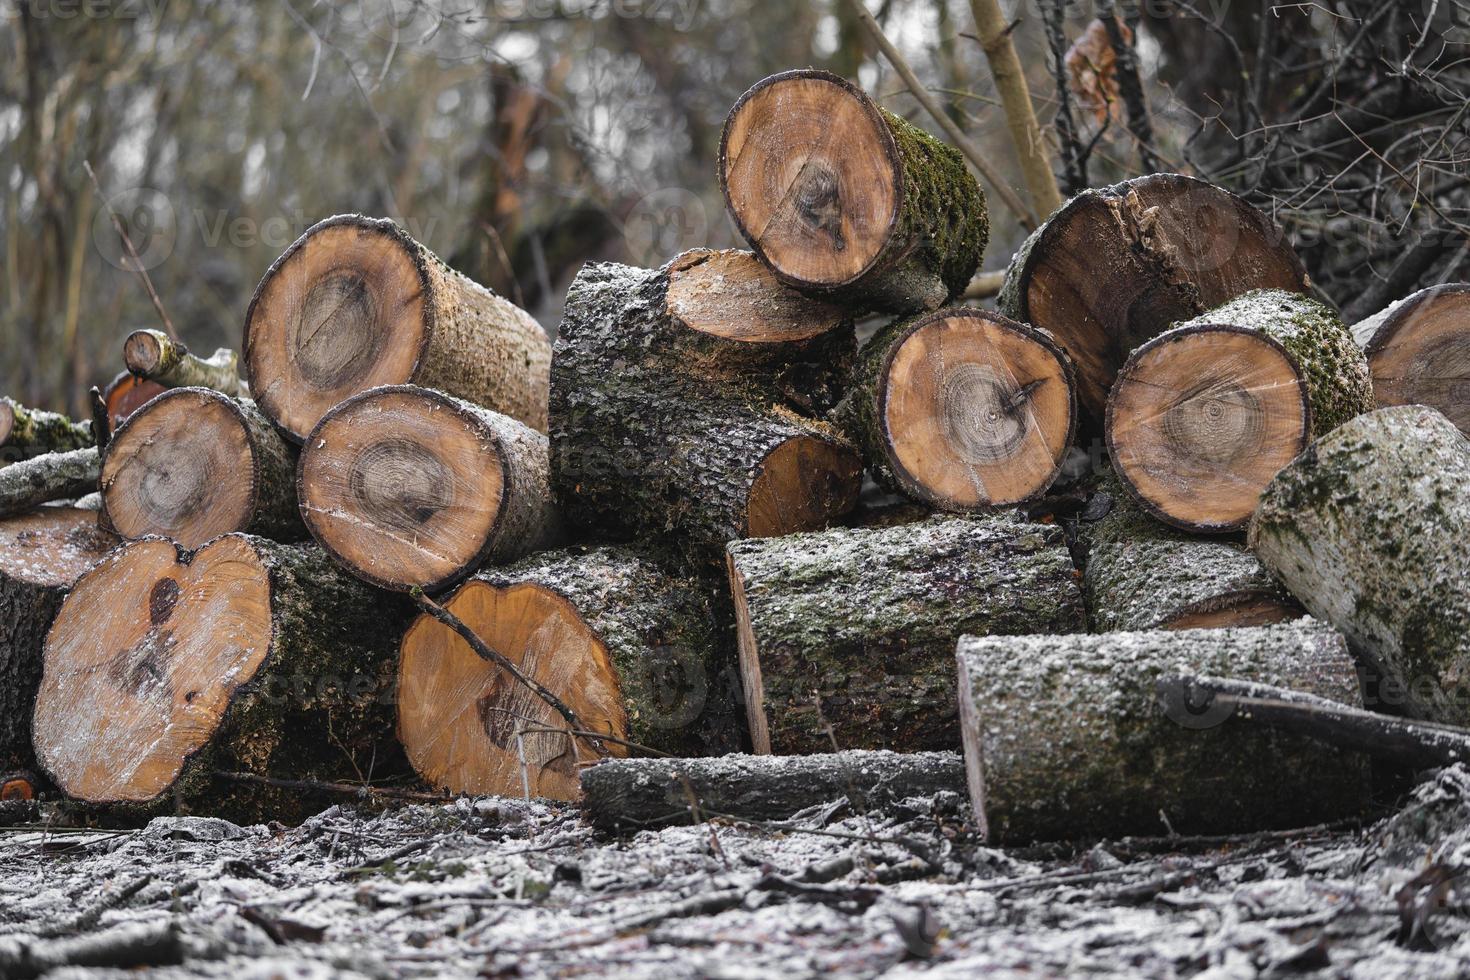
(632, 794)
(842, 198)
(1140, 574)
(165, 667)
(356, 303)
(1117, 266)
(1203, 416)
(193, 464)
(1064, 738)
(126, 394)
(41, 554)
(1418, 351)
(1368, 530)
(847, 636)
(43, 479)
(629, 649)
(962, 409)
(27, 432)
(408, 487)
(153, 356)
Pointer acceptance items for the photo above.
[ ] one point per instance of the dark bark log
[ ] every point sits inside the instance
(27, 432)
(43, 479)
(129, 946)
(1418, 351)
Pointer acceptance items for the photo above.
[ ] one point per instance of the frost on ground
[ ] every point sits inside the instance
(498, 887)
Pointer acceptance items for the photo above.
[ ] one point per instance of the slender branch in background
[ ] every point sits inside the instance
(972, 152)
(1015, 98)
(122, 232)
(1074, 163)
(985, 285)
(1129, 85)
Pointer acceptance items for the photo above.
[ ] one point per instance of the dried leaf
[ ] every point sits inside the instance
(1092, 71)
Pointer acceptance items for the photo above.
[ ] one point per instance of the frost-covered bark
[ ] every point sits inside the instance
(42, 479)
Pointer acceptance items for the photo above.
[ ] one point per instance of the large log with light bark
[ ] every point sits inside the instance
(165, 667)
(44, 479)
(1418, 351)
(1117, 266)
(1065, 737)
(629, 649)
(154, 356)
(356, 303)
(648, 437)
(1141, 574)
(633, 794)
(1203, 416)
(962, 409)
(844, 199)
(410, 488)
(27, 432)
(847, 636)
(1369, 529)
(41, 554)
(193, 464)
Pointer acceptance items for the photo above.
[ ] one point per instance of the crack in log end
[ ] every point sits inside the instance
(818, 197)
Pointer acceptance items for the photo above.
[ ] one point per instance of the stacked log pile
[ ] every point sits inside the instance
(614, 543)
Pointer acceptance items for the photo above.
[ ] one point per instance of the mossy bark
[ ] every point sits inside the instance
(848, 635)
(42, 479)
(32, 432)
(1065, 737)
(1368, 528)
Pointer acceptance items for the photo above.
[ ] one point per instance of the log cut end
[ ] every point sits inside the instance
(126, 394)
(155, 647)
(52, 546)
(143, 352)
(1419, 352)
(1202, 418)
(812, 176)
(803, 484)
(731, 295)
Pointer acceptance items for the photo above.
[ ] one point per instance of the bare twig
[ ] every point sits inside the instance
(122, 232)
(350, 789)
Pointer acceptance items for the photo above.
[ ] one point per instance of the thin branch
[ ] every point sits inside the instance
(350, 789)
(168, 325)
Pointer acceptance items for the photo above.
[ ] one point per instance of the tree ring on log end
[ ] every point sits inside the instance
(156, 676)
(142, 352)
(184, 466)
(347, 307)
(732, 295)
(812, 176)
(802, 485)
(1420, 353)
(403, 486)
(977, 410)
(1201, 419)
(466, 723)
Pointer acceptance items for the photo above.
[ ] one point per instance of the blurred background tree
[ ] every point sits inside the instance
(522, 138)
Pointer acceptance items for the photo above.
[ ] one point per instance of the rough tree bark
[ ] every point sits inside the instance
(847, 636)
(356, 303)
(26, 432)
(1418, 351)
(1064, 737)
(844, 199)
(1368, 530)
(43, 479)
(153, 356)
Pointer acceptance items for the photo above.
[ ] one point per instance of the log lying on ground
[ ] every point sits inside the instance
(1064, 739)
(43, 479)
(1203, 416)
(631, 794)
(843, 198)
(1117, 266)
(962, 409)
(128, 393)
(1418, 351)
(1140, 574)
(41, 554)
(356, 303)
(26, 432)
(193, 464)
(628, 648)
(1368, 530)
(847, 636)
(645, 439)
(153, 356)
(408, 487)
(164, 667)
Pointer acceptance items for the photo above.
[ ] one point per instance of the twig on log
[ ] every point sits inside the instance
(351, 789)
(101, 420)
(132, 253)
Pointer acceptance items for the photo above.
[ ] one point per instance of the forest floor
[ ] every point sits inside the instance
(510, 888)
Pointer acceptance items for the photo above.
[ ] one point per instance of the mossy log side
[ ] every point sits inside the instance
(43, 479)
(356, 303)
(628, 647)
(41, 554)
(641, 447)
(1140, 574)
(847, 636)
(1065, 737)
(1204, 415)
(633, 794)
(164, 667)
(1368, 529)
(193, 464)
(842, 198)
(1116, 266)
(1418, 351)
(153, 356)
(27, 432)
